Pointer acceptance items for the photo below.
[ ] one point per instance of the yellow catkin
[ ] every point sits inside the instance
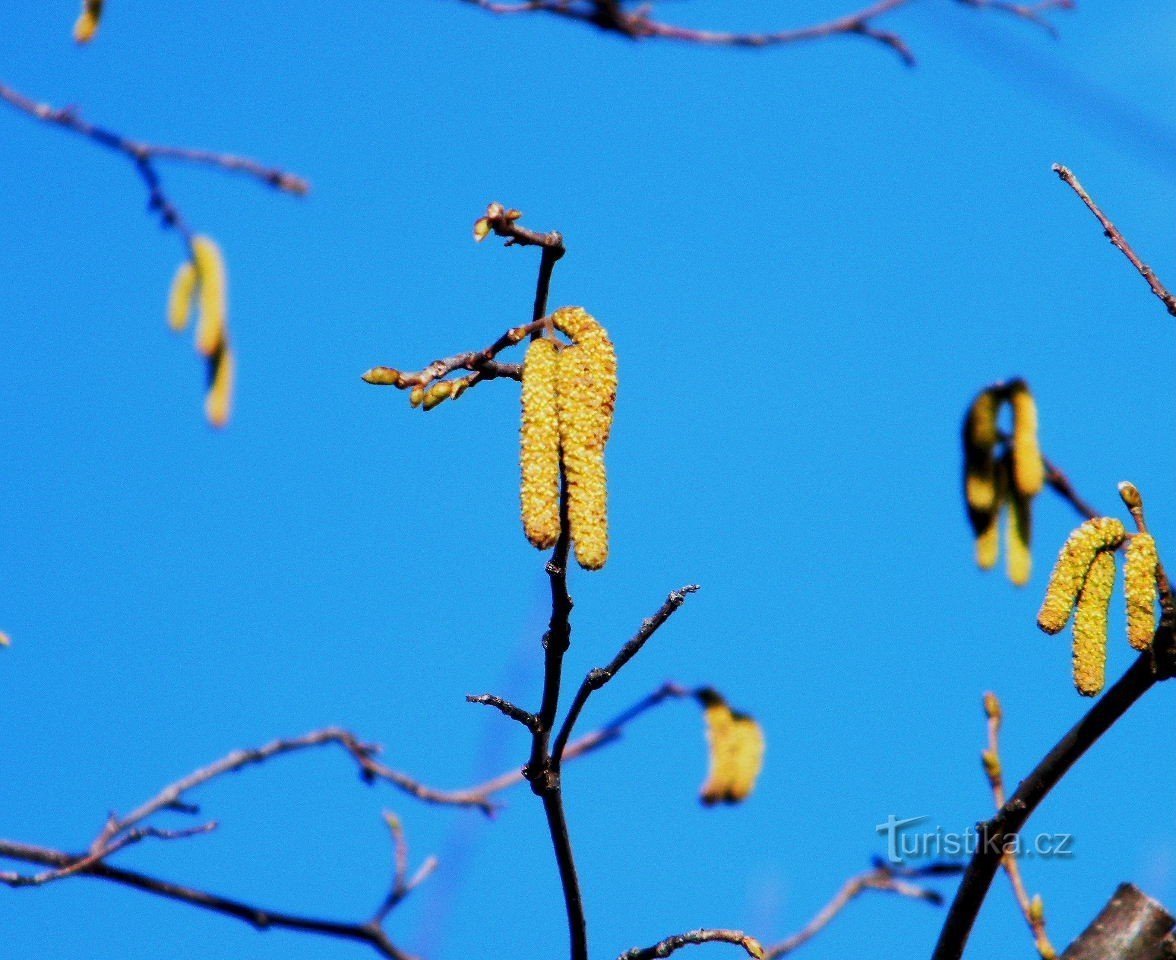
(586, 390)
(218, 403)
(211, 324)
(1090, 626)
(1018, 530)
(735, 745)
(1069, 573)
(179, 298)
(539, 446)
(1139, 587)
(988, 537)
(979, 436)
(1028, 465)
(86, 26)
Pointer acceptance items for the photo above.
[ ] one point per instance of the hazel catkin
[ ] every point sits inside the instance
(86, 26)
(180, 296)
(539, 445)
(586, 387)
(1090, 625)
(1140, 590)
(979, 439)
(1070, 572)
(736, 750)
(1028, 464)
(218, 403)
(212, 320)
(1018, 531)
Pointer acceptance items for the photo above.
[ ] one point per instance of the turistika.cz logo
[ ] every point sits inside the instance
(907, 841)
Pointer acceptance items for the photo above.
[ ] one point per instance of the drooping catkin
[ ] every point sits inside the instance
(735, 744)
(179, 298)
(1090, 625)
(539, 445)
(212, 320)
(1018, 531)
(1139, 587)
(86, 26)
(218, 403)
(1028, 465)
(586, 389)
(1070, 571)
(988, 538)
(979, 439)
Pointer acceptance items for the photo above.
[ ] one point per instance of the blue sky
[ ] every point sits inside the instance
(809, 259)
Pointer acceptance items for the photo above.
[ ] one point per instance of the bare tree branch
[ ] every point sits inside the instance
(601, 675)
(1117, 239)
(1132, 926)
(611, 16)
(145, 155)
(887, 878)
(678, 941)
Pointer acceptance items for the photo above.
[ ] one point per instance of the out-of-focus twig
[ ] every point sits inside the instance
(667, 946)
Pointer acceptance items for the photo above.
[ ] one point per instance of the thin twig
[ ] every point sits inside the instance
(1118, 240)
(259, 918)
(528, 720)
(993, 769)
(144, 156)
(504, 222)
(996, 834)
(1061, 485)
(883, 877)
(640, 24)
(667, 946)
(402, 883)
(598, 677)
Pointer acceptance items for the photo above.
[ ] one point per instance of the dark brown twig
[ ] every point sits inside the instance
(145, 155)
(259, 918)
(667, 946)
(883, 877)
(1117, 239)
(505, 223)
(996, 834)
(402, 883)
(598, 677)
(1061, 485)
(508, 709)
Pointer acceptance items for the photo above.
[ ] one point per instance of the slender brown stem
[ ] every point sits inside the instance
(996, 834)
(883, 877)
(601, 675)
(259, 918)
(1117, 239)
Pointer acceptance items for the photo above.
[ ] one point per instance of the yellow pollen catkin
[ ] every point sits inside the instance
(1018, 529)
(1070, 571)
(979, 437)
(1028, 465)
(86, 26)
(988, 537)
(539, 445)
(211, 324)
(586, 389)
(179, 299)
(218, 404)
(1090, 625)
(736, 749)
(1139, 580)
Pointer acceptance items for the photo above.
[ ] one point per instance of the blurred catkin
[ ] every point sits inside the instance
(1090, 625)
(1028, 465)
(586, 387)
(979, 437)
(179, 299)
(539, 445)
(212, 319)
(1070, 571)
(1139, 579)
(736, 748)
(218, 403)
(86, 26)
(1018, 532)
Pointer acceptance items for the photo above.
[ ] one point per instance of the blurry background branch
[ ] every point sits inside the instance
(145, 156)
(639, 22)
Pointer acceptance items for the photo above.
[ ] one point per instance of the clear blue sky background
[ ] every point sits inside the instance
(809, 258)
